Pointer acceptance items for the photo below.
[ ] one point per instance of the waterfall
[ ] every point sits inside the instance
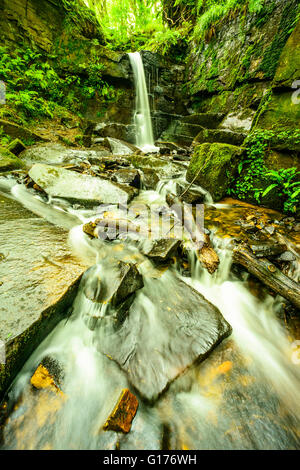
(142, 117)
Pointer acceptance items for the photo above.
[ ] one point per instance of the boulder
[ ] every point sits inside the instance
(8, 161)
(127, 176)
(37, 290)
(106, 283)
(76, 187)
(58, 154)
(212, 166)
(208, 120)
(169, 325)
(161, 249)
(121, 418)
(220, 135)
(19, 132)
(150, 178)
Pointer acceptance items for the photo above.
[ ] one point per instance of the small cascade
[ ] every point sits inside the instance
(142, 117)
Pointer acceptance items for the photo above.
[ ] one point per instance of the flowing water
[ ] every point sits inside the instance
(244, 395)
(142, 117)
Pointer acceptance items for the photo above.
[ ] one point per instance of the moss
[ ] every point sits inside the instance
(8, 161)
(273, 52)
(212, 166)
(288, 68)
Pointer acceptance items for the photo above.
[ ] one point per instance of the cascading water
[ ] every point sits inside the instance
(142, 116)
(243, 396)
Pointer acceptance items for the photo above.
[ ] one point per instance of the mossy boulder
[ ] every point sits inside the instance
(213, 166)
(288, 68)
(279, 112)
(8, 161)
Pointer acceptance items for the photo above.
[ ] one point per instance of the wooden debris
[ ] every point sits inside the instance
(267, 273)
(123, 414)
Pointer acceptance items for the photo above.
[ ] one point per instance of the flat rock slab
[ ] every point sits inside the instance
(168, 327)
(38, 283)
(73, 186)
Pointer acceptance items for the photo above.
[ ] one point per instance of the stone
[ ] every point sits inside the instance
(169, 326)
(123, 414)
(75, 187)
(150, 179)
(207, 120)
(267, 249)
(42, 379)
(16, 147)
(287, 256)
(58, 154)
(189, 195)
(131, 177)
(38, 289)
(288, 67)
(212, 166)
(8, 161)
(180, 132)
(161, 249)
(19, 132)
(108, 283)
(220, 135)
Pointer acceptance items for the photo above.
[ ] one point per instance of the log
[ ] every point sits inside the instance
(206, 255)
(268, 274)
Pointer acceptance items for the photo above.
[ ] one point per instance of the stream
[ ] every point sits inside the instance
(199, 385)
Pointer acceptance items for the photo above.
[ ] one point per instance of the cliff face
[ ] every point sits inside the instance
(40, 21)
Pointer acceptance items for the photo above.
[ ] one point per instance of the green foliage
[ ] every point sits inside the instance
(36, 89)
(211, 12)
(272, 54)
(287, 187)
(252, 169)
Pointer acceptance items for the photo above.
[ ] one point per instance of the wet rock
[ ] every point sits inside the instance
(107, 283)
(131, 177)
(169, 325)
(114, 130)
(208, 120)
(150, 178)
(189, 195)
(16, 147)
(40, 280)
(76, 187)
(209, 259)
(270, 229)
(220, 135)
(8, 161)
(43, 379)
(58, 154)
(162, 249)
(267, 249)
(123, 414)
(287, 256)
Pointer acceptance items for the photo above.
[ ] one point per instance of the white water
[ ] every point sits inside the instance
(142, 117)
(246, 408)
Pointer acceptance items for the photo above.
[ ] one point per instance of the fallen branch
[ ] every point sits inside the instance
(268, 274)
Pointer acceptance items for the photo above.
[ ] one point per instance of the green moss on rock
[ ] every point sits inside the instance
(8, 161)
(213, 166)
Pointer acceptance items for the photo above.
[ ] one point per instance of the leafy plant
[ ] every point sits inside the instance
(288, 188)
